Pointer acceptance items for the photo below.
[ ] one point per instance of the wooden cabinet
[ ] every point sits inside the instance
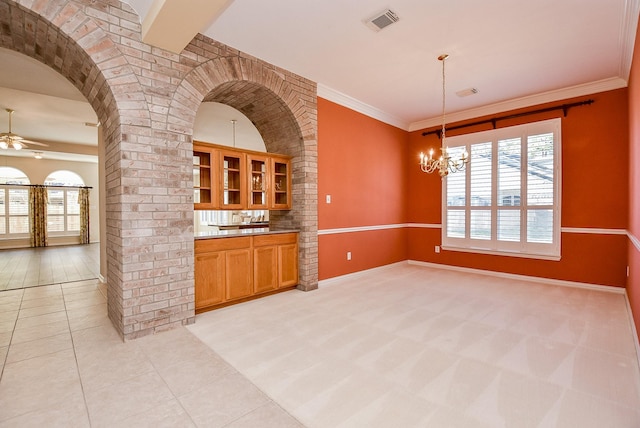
(235, 269)
(259, 179)
(281, 187)
(265, 269)
(288, 265)
(209, 279)
(205, 178)
(238, 280)
(276, 260)
(234, 179)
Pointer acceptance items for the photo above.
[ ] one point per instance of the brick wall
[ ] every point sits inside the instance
(146, 100)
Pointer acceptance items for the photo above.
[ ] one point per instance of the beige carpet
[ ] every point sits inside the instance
(407, 346)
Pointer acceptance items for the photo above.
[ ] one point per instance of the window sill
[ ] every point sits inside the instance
(503, 253)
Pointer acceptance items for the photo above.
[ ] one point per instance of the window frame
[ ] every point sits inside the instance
(15, 179)
(7, 215)
(65, 215)
(521, 248)
(54, 183)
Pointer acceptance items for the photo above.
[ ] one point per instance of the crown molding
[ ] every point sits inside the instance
(517, 103)
(628, 36)
(353, 104)
(542, 98)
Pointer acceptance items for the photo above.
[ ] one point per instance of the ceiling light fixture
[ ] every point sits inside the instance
(444, 164)
(37, 155)
(11, 140)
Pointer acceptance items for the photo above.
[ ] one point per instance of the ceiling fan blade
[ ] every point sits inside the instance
(29, 142)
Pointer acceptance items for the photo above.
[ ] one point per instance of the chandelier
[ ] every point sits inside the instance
(445, 164)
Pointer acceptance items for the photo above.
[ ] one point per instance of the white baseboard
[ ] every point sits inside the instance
(563, 283)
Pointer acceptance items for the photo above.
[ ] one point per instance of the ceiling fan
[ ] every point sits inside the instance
(9, 139)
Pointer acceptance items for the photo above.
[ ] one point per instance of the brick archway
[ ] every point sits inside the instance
(283, 108)
(63, 36)
(146, 99)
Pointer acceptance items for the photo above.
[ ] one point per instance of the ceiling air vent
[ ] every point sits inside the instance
(381, 20)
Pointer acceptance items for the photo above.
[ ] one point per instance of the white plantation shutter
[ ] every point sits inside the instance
(507, 199)
(480, 191)
(509, 179)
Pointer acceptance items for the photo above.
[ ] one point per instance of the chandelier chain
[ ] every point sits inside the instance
(445, 164)
(444, 58)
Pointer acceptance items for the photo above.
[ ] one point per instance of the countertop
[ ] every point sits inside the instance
(239, 232)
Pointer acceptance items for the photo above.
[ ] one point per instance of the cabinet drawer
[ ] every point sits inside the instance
(222, 244)
(276, 239)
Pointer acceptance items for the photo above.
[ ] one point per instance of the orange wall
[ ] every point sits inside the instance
(361, 164)
(594, 195)
(633, 283)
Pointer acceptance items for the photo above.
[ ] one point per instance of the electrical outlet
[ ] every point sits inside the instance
(348, 255)
(437, 249)
(328, 199)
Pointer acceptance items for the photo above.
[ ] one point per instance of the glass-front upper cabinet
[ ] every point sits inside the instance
(233, 180)
(236, 179)
(258, 168)
(281, 183)
(204, 178)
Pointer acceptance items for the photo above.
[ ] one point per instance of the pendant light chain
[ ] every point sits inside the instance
(444, 57)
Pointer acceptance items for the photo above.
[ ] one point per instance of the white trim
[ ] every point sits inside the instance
(504, 253)
(593, 230)
(329, 281)
(360, 107)
(560, 282)
(634, 331)
(628, 36)
(635, 241)
(588, 230)
(361, 229)
(425, 225)
(531, 100)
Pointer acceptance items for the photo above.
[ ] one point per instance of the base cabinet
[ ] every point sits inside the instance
(235, 269)
(209, 279)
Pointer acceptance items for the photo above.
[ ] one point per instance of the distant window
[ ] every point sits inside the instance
(507, 200)
(63, 209)
(14, 203)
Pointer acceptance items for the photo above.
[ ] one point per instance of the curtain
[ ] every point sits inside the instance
(83, 200)
(38, 214)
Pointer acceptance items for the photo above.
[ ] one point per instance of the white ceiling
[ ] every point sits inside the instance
(507, 49)
(515, 52)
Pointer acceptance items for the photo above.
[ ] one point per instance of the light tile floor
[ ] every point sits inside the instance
(400, 346)
(64, 365)
(32, 267)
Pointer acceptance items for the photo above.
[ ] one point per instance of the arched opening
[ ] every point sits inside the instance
(145, 144)
(287, 125)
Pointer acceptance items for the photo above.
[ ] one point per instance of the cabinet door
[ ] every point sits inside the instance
(209, 279)
(233, 194)
(238, 266)
(280, 183)
(288, 265)
(258, 181)
(265, 269)
(205, 179)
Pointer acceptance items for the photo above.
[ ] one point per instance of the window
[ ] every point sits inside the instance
(63, 209)
(507, 200)
(14, 203)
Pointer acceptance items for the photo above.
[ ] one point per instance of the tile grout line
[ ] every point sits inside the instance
(15, 323)
(75, 357)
